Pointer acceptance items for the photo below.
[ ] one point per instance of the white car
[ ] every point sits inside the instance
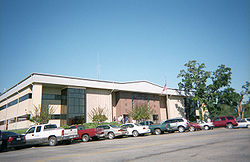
(243, 123)
(136, 129)
(206, 125)
(49, 133)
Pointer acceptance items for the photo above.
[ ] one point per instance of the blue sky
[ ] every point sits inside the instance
(135, 40)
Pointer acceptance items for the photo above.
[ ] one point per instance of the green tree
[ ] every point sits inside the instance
(141, 113)
(41, 115)
(211, 96)
(194, 79)
(219, 91)
(97, 115)
(240, 107)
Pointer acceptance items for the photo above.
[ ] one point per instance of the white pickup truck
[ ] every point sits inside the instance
(49, 133)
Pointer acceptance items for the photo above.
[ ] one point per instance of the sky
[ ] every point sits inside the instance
(123, 40)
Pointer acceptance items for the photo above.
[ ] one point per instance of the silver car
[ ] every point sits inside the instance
(206, 125)
(112, 131)
(178, 124)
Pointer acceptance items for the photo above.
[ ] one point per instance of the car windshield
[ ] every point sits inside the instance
(113, 126)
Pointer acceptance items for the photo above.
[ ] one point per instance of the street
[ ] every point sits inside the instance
(212, 145)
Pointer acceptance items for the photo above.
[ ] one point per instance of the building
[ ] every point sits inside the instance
(72, 99)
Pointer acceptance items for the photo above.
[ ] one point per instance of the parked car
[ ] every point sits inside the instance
(86, 134)
(112, 131)
(178, 124)
(247, 120)
(225, 121)
(194, 126)
(1, 141)
(49, 133)
(156, 128)
(12, 140)
(206, 125)
(136, 129)
(242, 123)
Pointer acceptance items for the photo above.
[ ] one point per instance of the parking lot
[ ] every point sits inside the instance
(213, 145)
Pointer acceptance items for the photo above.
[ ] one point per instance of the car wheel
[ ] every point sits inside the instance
(229, 125)
(157, 131)
(191, 129)
(52, 141)
(206, 127)
(85, 138)
(181, 129)
(135, 133)
(111, 135)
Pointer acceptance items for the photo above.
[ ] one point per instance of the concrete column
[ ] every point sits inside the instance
(37, 90)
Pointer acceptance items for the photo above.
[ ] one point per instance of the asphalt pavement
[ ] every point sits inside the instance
(213, 145)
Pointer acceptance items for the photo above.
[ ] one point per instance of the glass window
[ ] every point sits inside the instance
(180, 120)
(216, 119)
(106, 127)
(31, 130)
(2, 107)
(155, 117)
(55, 116)
(124, 126)
(51, 97)
(230, 118)
(50, 126)
(223, 118)
(25, 97)
(80, 127)
(38, 128)
(13, 102)
(168, 121)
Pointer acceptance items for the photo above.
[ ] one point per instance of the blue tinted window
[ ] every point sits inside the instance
(12, 102)
(2, 107)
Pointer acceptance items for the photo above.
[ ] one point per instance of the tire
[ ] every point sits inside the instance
(192, 129)
(157, 131)
(230, 125)
(181, 129)
(52, 141)
(206, 127)
(85, 138)
(135, 133)
(111, 135)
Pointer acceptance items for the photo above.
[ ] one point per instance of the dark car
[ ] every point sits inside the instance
(1, 141)
(12, 139)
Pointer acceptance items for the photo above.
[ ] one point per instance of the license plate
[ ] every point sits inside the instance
(18, 139)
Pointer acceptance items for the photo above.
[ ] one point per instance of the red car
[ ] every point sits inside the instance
(225, 121)
(86, 134)
(194, 127)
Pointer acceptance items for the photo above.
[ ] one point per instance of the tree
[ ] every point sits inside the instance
(245, 92)
(97, 115)
(41, 115)
(194, 79)
(140, 113)
(219, 91)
